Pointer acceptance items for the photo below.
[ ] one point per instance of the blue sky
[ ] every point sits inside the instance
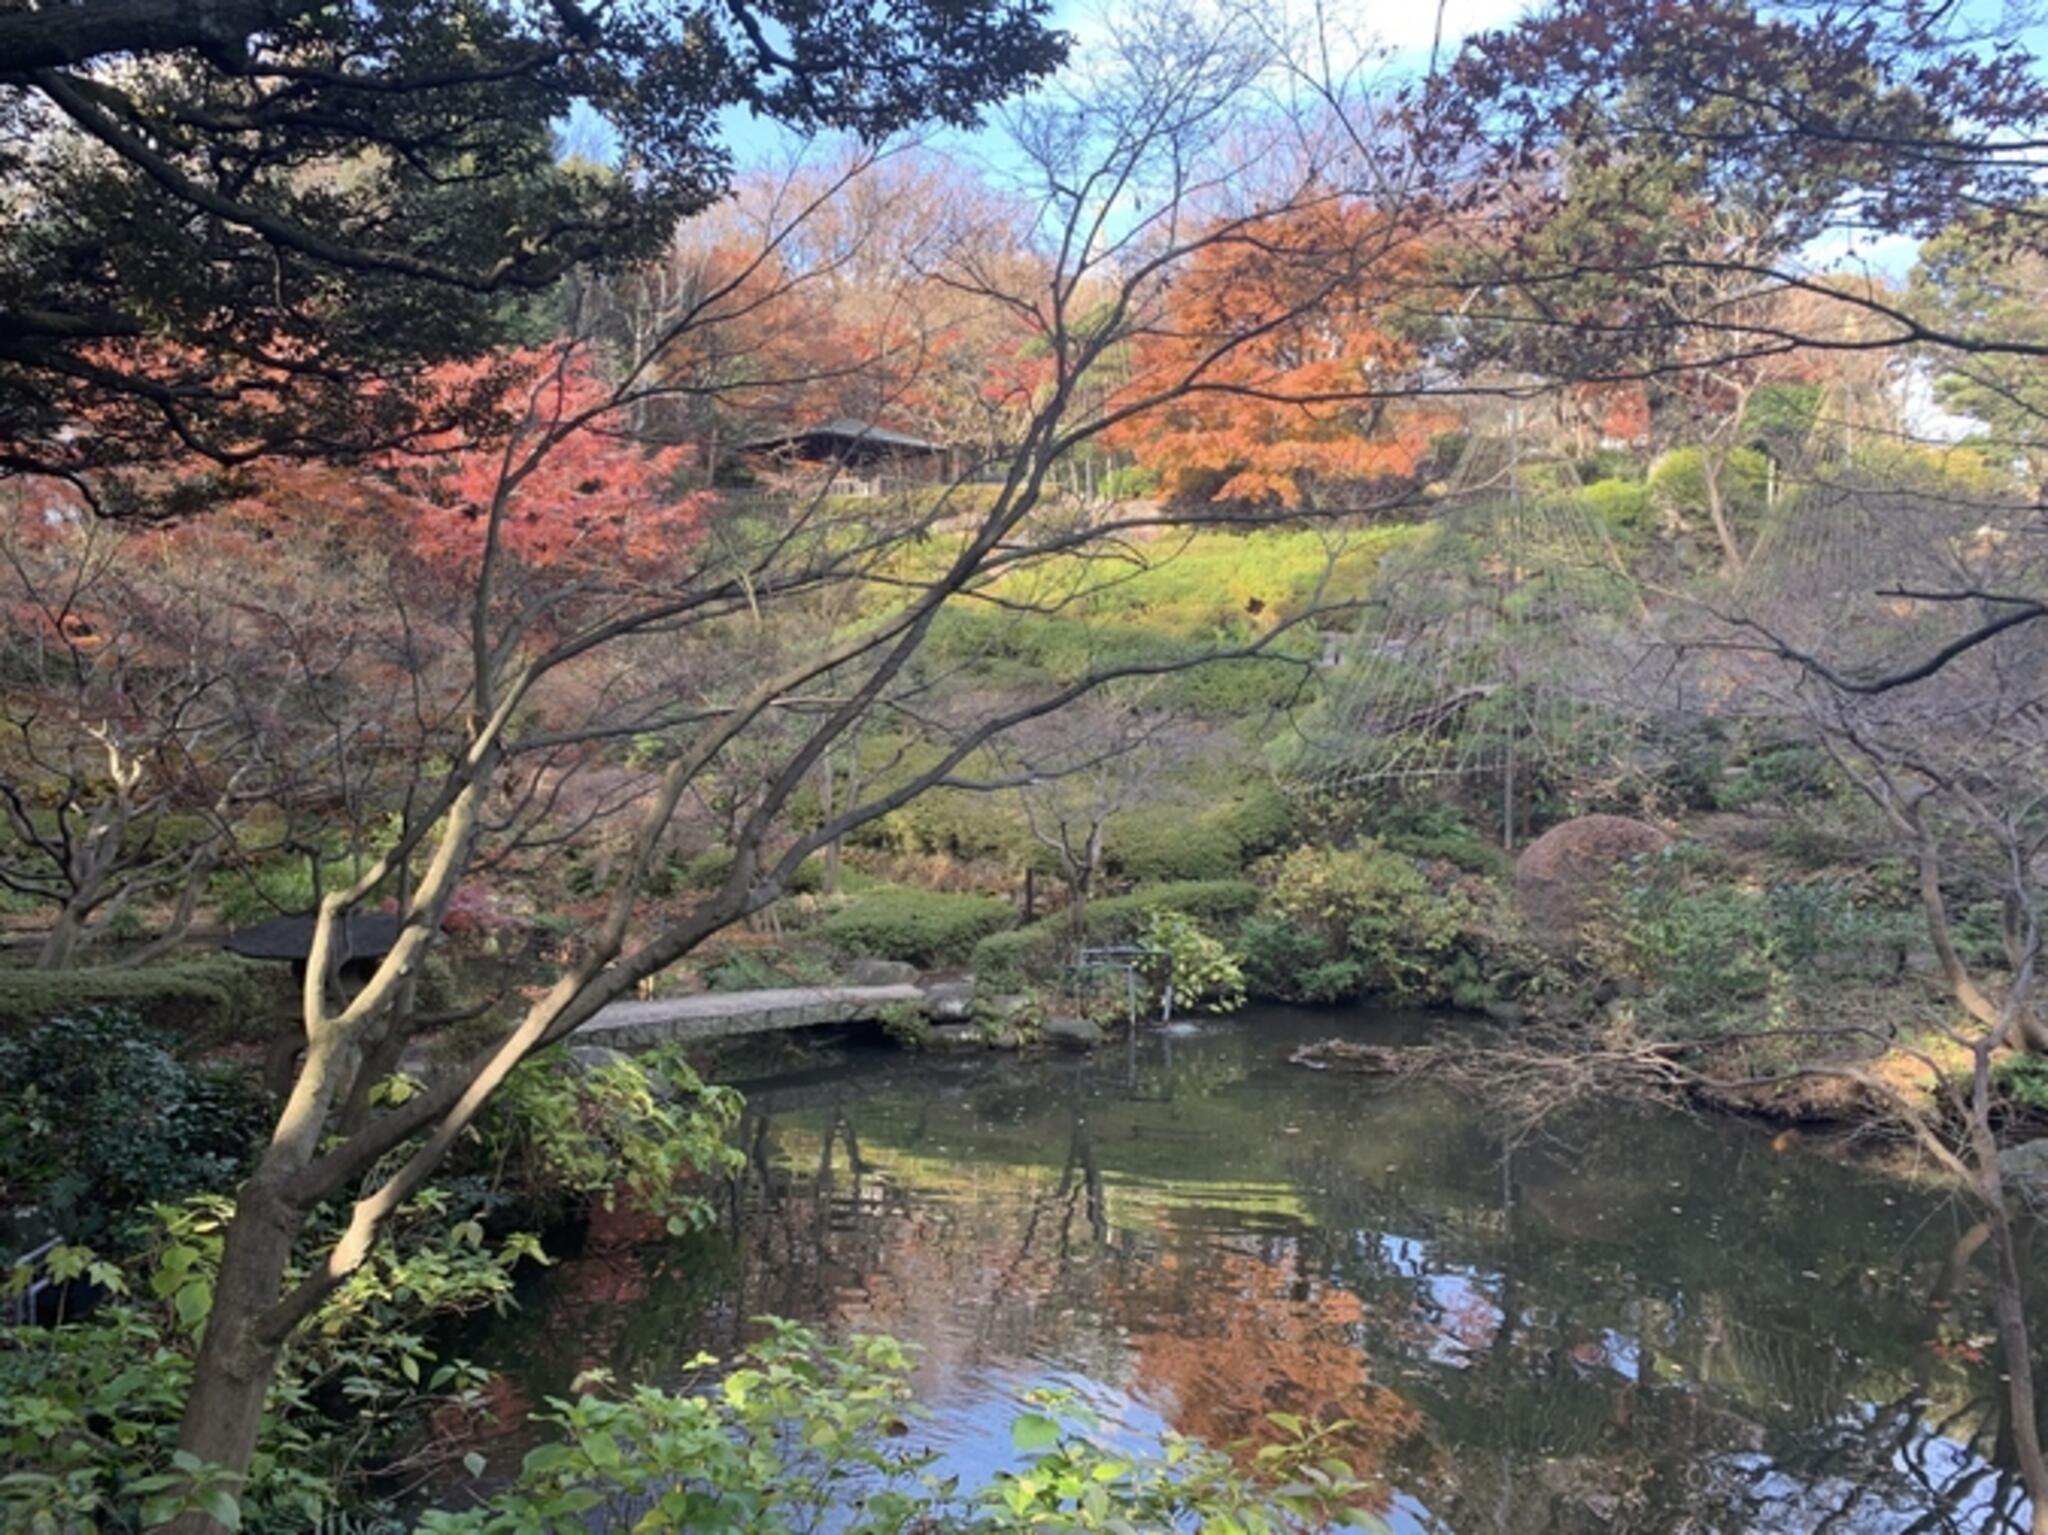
(1405, 31)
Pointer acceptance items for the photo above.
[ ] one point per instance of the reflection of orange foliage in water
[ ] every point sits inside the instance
(1213, 1338)
(1226, 1337)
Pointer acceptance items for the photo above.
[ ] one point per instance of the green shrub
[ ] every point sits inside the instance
(1383, 929)
(953, 822)
(1211, 901)
(1200, 970)
(1609, 465)
(1021, 955)
(1284, 677)
(99, 1120)
(1623, 505)
(1037, 951)
(1263, 817)
(1711, 953)
(708, 870)
(1978, 932)
(1433, 831)
(203, 1000)
(1154, 843)
(1775, 774)
(921, 927)
(745, 970)
(1279, 958)
(560, 1133)
(1678, 482)
(2024, 1079)
(1782, 416)
(906, 1024)
(279, 885)
(89, 1410)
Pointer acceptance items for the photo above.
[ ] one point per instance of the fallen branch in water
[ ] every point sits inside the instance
(1531, 1073)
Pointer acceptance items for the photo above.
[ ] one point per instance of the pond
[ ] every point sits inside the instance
(1645, 1323)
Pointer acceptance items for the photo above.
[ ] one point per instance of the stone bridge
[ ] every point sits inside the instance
(729, 1014)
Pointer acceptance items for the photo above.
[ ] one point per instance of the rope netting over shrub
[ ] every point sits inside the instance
(1873, 580)
(1484, 656)
(1518, 645)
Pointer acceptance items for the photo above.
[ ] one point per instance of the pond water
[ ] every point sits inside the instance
(1646, 1323)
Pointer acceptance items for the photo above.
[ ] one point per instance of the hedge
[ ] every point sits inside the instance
(921, 927)
(204, 999)
(1159, 843)
(1037, 950)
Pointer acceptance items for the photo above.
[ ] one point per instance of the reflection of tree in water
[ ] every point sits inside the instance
(1222, 1336)
(861, 1247)
(1213, 1336)
(1661, 1327)
(1659, 1386)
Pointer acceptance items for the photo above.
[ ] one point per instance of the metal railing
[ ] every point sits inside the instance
(1126, 958)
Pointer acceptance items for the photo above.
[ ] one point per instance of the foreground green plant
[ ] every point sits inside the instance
(804, 1431)
(562, 1130)
(89, 1409)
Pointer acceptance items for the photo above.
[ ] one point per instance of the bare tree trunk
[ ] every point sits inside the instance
(827, 777)
(232, 1376)
(61, 942)
(197, 871)
(1732, 561)
(2008, 1305)
(90, 864)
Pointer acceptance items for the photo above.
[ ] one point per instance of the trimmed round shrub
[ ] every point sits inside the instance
(1168, 842)
(920, 927)
(1624, 505)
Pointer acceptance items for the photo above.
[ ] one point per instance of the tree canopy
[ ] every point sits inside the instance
(254, 227)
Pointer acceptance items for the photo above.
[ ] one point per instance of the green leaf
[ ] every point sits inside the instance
(193, 1302)
(223, 1505)
(1032, 1431)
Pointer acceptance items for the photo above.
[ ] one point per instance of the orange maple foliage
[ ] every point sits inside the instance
(595, 498)
(1293, 406)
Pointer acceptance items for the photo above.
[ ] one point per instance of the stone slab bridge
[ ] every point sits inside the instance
(729, 1014)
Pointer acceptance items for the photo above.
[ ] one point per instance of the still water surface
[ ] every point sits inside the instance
(1648, 1323)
